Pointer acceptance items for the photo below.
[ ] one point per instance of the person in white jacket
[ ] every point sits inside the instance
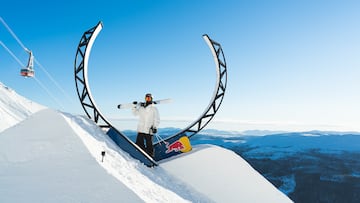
(149, 121)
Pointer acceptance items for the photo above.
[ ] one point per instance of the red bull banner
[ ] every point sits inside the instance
(172, 147)
(183, 145)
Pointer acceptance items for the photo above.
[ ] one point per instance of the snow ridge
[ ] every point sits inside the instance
(14, 108)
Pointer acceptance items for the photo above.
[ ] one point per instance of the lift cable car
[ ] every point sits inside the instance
(28, 71)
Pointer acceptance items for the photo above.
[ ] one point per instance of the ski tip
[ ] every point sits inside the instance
(162, 101)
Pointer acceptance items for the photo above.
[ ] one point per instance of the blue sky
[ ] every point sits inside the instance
(289, 62)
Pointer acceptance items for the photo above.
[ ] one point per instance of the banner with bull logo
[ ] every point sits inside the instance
(171, 147)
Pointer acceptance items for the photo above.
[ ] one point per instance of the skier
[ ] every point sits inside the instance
(149, 121)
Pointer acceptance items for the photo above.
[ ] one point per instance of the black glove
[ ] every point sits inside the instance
(154, 130)
(119, 106)
(135, 102)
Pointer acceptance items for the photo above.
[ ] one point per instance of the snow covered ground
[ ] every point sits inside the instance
(14, 108)
(52, 156)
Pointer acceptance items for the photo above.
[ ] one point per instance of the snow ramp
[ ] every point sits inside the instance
(222, 176)
(53, 156)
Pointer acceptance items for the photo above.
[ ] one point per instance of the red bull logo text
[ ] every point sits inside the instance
(175, 146)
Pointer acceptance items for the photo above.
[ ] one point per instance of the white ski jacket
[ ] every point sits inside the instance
(148, 117)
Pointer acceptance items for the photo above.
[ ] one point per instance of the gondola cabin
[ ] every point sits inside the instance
(28, 71)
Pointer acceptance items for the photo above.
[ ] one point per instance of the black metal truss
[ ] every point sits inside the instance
(218, 96)
(82, 54)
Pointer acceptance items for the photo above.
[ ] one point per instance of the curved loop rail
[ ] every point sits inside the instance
(89, 106)
(218, 95)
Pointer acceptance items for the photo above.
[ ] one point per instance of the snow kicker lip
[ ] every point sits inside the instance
(90, 108)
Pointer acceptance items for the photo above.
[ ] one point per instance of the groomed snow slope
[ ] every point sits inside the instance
(56, 157)
(59, 160)
(43, 160)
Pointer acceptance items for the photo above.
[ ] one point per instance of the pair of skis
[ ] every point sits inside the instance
(136, 103)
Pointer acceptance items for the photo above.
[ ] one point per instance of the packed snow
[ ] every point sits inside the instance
(52, 156)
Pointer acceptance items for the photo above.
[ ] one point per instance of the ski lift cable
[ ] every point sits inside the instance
(37, 80)
(11, 53)
(53, 80)
(36, 61)
(12, 33)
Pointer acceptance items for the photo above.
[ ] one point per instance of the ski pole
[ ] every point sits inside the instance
(157, 136)
(159, 140)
